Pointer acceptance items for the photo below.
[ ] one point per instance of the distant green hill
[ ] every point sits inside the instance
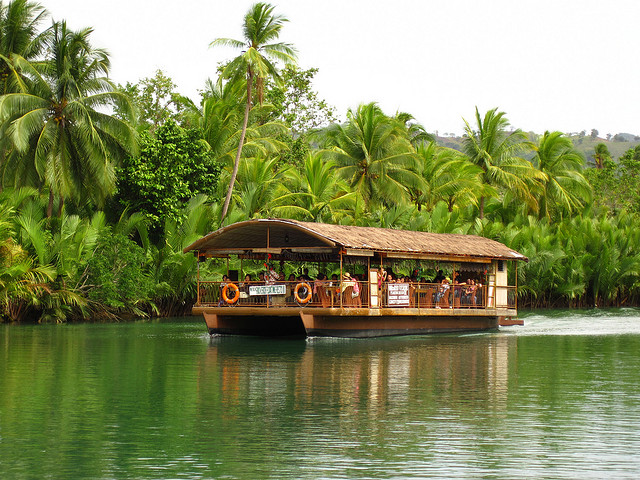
(584, 144)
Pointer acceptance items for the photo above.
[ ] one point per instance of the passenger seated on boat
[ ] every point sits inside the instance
(279, 299)
(334, 289)
(272, 276)
(320, 290)
(439, 277)
(305, 275)
(244, 289)
(346, 289)
(457, 289)
(442, 295)
(479, 293)
(357, 291)
(469, 293)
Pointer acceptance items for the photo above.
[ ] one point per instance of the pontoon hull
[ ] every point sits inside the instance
(352, 323)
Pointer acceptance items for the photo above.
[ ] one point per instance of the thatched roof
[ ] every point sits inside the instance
(274, 234)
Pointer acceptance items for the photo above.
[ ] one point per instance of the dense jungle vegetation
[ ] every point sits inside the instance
(103, 185)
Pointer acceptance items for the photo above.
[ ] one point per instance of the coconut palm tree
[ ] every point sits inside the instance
(63, 139)
(256, 64)
(449, 177)
(496, 150)
(563, 187)
(20, 36)
(601, 155)
(374, 155)
(259, 184)
(220, 119)
(315, 194)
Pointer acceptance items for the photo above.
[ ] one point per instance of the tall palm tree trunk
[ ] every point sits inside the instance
(245, 122)
(50, 205)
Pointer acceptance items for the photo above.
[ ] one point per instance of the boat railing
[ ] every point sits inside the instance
(346, 294)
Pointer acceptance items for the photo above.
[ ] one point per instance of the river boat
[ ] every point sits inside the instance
(362, 299)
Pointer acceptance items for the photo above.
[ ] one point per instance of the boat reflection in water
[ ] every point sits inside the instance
(352, 376)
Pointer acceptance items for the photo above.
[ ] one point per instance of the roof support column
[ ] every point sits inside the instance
(341, 279)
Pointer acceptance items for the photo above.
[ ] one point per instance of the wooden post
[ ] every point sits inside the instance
(198, 277)
(268, 270)
(340, 279)
(516, 292)
(366, 279)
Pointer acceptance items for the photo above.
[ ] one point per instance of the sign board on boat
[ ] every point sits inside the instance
(267, 290)
(398, 294)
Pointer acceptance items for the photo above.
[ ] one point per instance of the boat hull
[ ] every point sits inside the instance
(349, 323)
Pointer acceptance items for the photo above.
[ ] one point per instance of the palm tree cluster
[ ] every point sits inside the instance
(98, 196)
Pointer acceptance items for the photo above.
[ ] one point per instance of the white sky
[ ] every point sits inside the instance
(562, 65)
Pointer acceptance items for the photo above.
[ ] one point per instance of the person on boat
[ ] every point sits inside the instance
(443, 290)
(279, 299)
(320, 290)
(470, 292)
(477, 293)
(382, 277)
(412, 289)
(244, 287)
(347, 281)
(439, 277)
(346, 288)
(272, 276)
(357, 302)
(305, 275)
(466, 290)
(457, 289)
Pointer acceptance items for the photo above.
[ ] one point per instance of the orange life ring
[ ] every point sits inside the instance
(299, 286)
(236, 293)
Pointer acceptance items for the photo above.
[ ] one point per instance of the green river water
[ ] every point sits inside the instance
(557, 398)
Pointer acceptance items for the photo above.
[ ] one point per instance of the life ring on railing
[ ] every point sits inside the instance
(307, 297)
(225, 293)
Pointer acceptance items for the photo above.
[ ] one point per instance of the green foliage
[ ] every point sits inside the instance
(60, 137)
(297, 104)
(19, 39)
(448, 177)
(563, 188)
(116, 277)
(616, 186)
(256, 64)
(498, 151)
(155, 101)
(174, 165)
(290, 159)
(374, 155)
